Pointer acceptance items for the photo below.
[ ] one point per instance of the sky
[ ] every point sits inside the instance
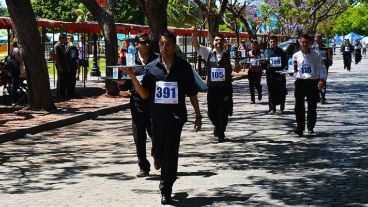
(2, 3)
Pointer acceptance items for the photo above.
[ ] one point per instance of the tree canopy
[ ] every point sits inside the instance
(353, 19)
(126, 11)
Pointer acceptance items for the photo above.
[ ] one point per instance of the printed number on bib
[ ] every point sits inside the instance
(166, 92)
(275, 61)
(322, 54)
(217, 74)
(254, 62)
(306, 69)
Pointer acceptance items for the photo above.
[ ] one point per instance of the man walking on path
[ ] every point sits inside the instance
(255, 72)
(276, 82)
(167, 81)
(219, 81)
(347, 49)
(139, 108)
(326, 56)
(310, 75)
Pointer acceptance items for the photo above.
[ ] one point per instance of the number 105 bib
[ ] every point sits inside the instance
(166, 92)
(217, 74)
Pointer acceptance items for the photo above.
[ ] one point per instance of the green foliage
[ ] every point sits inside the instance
(55, 9)
(3, 10)
(128, 11)
(353, 19)
(183, 13)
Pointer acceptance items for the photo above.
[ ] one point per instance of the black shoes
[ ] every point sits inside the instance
(215, 132)
(282, 107)
(272, 111)
(143, 173)
(299, 132)
(259, 96)
(166, 199)
(156, 164)
(310, 131)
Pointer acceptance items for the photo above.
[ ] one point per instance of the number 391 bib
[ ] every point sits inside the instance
(217, 74)
(166, 92)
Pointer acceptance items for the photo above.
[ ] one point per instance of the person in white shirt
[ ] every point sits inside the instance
(219, 81)
(310, 75)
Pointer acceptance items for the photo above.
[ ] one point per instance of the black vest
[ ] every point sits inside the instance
(223, 63)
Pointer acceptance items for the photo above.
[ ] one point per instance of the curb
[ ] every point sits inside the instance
(21, 133)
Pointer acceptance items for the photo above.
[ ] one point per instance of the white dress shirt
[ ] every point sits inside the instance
(309, 66)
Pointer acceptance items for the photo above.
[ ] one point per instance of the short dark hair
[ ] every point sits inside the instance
(218, 35)
(170, 35)
(62, 35)
(140, 35)
(306, 36)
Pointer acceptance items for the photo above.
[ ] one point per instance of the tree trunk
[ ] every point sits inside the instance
(107, 24)
(156, 13)
(26, 31)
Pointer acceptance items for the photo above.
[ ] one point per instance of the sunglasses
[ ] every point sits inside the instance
(145, 42)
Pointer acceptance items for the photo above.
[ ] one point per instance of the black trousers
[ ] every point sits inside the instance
(306, 89)
(276, 84)
(62, 84)
(141, 126)
(322, 92)
(254, 79)
(347, 60)
(166, 140)
(220, 106)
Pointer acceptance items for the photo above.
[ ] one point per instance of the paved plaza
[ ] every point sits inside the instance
(263, 163)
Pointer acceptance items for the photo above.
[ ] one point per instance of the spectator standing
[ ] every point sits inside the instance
(83, 58)
(62, 66)
(73, 58)
(13, 64)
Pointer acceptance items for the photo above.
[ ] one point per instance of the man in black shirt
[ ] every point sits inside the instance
(139, 108)
(166, 83)
(276, 82)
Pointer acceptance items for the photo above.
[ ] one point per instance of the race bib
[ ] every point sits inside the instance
(217, 74)
(275, 62)
(347, 49)
(357, 47)
(306, 70)
(254, 62)
(166, 92)
(323, 54)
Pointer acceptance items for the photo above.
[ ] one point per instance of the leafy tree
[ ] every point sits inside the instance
(3, 10)
(128, 11)
(55, 9)
(353, 19)
(26, 31)
(183, 13)
(213, 14)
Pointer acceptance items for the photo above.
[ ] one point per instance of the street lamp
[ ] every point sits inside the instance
(95, 71)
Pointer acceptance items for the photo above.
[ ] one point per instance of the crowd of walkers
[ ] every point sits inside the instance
(157, 101)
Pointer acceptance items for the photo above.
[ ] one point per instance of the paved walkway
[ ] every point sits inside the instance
(93, 163)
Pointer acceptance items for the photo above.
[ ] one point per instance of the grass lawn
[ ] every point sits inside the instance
(101, 65)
